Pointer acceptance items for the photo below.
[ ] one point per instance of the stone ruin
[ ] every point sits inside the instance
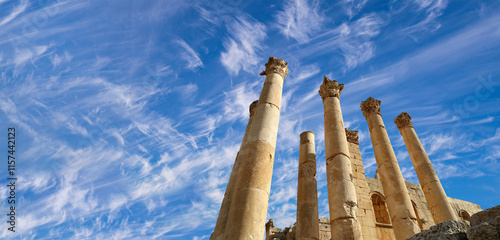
(384, 207)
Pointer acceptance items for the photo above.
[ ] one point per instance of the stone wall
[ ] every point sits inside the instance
(366, 216)
(424, 216)
(463, 208)
(325, 229)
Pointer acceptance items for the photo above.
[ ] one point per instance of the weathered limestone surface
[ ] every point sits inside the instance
(424, 216)
(398, 201)
(448, 230)
(433, 190)
(248, 210)
(464, 209)
(228, 195)
(341, 190)
(325, 229)
(273, 233)
(307, 227)
(365, 214)
(485, 225)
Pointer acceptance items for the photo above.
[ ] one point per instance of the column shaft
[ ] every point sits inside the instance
(341, 190)
(228, 195)
(307, 192)
(398, 200)
(247, 214)
(434, 193)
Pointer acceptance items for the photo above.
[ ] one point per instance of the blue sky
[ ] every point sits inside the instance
(129, 114)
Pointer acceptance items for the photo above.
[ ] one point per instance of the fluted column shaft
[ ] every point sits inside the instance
(398, 200)
(307, 191)
(247, 214)
(220, 226)
(341, 190)
(434, 193)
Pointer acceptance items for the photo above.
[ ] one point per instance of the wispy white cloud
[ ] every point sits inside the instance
(353, 39)
(15, 12)
(238, 100)
(57, 59)
(481, 121)
(463, 45)
(288, 134)
(24, 55)
(300, 19)
(353, 7)
(454, 169)
(304, 73)
(443, 142)
(356, 43)
(244, 45)
(432, 10)
(189, 55)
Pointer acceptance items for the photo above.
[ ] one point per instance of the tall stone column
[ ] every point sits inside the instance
(341, 190)
(404, 220)
(437, 200)
(247, 214)
(228, 195)
(307, 190)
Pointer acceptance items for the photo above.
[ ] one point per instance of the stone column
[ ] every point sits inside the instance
(404, 220)
(247, 214)
(437, 200)
(341, 190)
(307, 191)
(228, 195)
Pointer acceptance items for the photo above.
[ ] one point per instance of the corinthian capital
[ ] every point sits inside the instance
(276, 65)
(330, 88)
(403, 120)
(352, 136)
(371, 105)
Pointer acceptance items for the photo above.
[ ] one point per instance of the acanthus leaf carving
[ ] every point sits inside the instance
(403, 120)
(276, 65)
(370, 105)
(330, 88)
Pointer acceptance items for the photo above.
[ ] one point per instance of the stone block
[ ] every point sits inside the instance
(449, 230)
(485, 225)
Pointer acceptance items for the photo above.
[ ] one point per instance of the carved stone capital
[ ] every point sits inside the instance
(352, 136)
(252, 107)
(330, 88)
(371, 105)
(403, 120)
(276, 65)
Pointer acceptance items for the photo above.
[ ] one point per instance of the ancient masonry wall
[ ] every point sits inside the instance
(464, 209)
(366, 216)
